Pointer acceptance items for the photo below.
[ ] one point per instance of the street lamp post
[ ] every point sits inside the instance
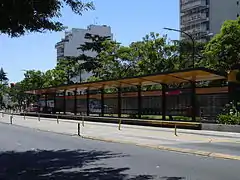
(192, 39)
(80, 68)
(80, 75)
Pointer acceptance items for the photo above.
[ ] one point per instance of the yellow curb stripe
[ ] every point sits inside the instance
(224, 141)
(224, 156)
(180, 150)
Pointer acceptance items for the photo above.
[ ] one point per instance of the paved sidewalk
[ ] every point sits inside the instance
(207, 143)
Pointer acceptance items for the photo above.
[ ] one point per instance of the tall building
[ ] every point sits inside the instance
(204, 18)
(68, 46)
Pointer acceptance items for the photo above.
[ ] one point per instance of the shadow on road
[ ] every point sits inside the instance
(61, 165)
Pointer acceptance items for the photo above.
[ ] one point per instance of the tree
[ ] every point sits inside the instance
(154, 54)
(17, 93)
(185, 49)
(151, 55)
(54, 77)
(3, 85)
(33, 79)
(22, 16)
(65, 68)
(108, 63)
(93, 45)
(3, 77)
(222, 52)
(113, 61)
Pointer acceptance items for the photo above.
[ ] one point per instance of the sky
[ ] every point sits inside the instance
(130, 20)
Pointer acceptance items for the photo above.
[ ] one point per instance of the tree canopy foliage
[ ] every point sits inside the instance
(3, 84)
(95, 44)
(154, 53)
(3, 77)
(223, 51)
(21, 16)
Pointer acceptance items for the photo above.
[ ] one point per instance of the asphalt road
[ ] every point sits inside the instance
(30, 154)
(212, 142)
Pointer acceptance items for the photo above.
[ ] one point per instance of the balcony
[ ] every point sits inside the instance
(194, 18)
(197, 30)
(59, 44)
(60, 56)
(192, 4)
(60, 52)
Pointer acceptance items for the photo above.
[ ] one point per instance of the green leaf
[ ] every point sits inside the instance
(24, 16)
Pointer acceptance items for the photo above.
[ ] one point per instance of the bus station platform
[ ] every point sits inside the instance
(128, 121)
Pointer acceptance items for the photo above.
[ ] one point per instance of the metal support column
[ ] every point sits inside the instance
(45, 100)
(38, 102)
(55, 102)
(88, 95)
(75, 101)
(194, 101)
(164, 101)
(119, 101)
(232, 86)
(139, 87)
(102, 101)
(64, 101)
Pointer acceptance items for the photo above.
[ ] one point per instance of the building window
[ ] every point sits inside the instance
(60, 50)
(237, 15)
(207, 27)
(207, 14)
(237, 2)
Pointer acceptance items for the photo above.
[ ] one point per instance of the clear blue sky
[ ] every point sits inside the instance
(130, 21)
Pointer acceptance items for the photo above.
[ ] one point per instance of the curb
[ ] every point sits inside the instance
(172, 149)
(165, 148)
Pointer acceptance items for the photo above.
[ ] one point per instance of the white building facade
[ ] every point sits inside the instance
(204, 18)
(73, 39)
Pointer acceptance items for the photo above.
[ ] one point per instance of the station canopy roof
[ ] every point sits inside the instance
(181, 76)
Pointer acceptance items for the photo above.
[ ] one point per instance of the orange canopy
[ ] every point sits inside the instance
(188, 75)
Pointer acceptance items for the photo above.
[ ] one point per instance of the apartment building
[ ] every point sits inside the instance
(73, 39)
(204, 18)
